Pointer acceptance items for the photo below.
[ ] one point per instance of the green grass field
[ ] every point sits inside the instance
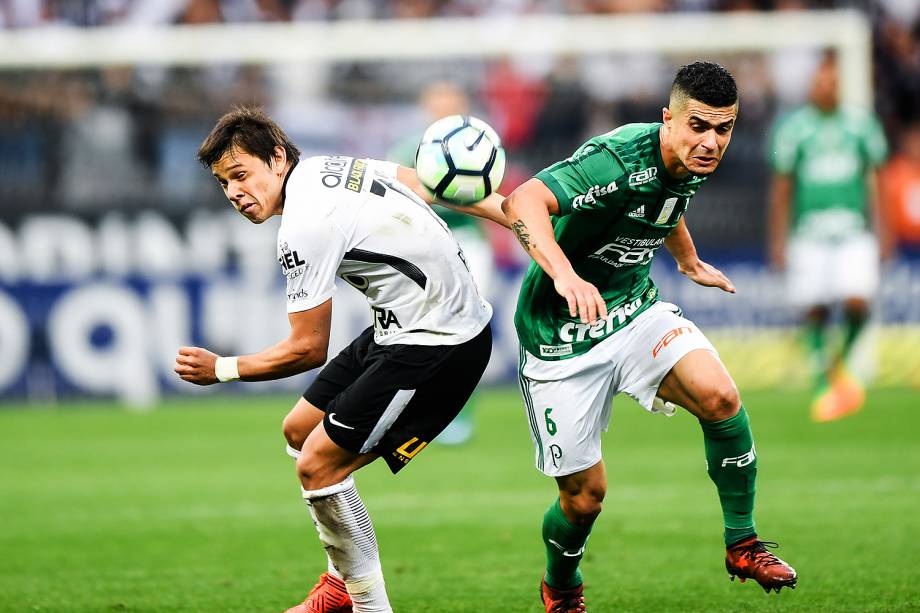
(195, 507)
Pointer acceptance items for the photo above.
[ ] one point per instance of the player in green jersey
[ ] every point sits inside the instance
(591, 325)
(823, 207)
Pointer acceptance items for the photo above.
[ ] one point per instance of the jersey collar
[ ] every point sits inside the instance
(284, 184)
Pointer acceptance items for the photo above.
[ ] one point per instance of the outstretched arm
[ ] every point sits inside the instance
(528, 210)
(778, 220)
(680, 245)
(489, 207)
(304, 349)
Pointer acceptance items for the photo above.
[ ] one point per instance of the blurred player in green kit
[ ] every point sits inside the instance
(822, 216)
(591, 325)
(441, 99)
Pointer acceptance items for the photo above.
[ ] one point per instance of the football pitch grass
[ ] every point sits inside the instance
(195, 507)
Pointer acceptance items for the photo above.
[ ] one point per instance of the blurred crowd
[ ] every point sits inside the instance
(140, 126)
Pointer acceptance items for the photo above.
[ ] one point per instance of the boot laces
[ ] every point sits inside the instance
(757, 552)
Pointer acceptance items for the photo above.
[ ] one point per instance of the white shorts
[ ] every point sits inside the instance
(569, 402)
(822, 272)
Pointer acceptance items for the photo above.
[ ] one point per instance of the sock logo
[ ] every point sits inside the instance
(742, 460)
(569, 554)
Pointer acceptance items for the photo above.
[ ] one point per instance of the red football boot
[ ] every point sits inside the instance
(327, 596)
(750, 559)
(571, 600)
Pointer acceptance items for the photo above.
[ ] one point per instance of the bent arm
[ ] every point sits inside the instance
(304, 349)
(528, 210)
(489, 207)
(680, 245)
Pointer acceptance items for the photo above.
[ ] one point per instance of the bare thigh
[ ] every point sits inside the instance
(700, 384)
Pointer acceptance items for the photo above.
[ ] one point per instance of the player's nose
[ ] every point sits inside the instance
(234, 191)
(709, 140)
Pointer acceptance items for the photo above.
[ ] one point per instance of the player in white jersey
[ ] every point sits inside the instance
(400, 383)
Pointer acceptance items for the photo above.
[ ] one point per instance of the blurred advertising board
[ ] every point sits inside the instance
(99, 307)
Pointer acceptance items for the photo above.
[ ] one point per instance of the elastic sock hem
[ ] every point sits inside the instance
(730, 426)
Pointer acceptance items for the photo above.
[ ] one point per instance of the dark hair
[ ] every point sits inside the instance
(706, 82)
(249, 129)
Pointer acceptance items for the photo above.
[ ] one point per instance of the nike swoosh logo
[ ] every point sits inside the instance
(476, 142)
(336, 422)
(566, 553)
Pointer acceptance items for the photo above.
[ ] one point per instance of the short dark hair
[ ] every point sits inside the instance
(706, 82)
(249, 129)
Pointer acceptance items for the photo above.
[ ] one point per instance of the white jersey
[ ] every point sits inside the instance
(351, 218)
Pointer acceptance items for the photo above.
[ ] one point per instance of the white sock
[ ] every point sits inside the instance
(330, 567)
(346, 531)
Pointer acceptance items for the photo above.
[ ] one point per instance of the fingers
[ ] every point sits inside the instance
(601, 304)
(583, 299)
(723, 281)
(591, 305)
(587, 308)
(573, 303)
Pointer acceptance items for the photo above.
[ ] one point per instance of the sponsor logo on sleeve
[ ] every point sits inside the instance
(290, 260)
(355, 175)
(300, 294)
(593, 194)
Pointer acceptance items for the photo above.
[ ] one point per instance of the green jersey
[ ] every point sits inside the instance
(617, 204)
(827, 155)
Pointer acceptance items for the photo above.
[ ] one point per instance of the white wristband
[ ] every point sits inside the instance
(227, 369)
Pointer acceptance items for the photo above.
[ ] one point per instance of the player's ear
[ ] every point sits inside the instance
(666, 116)
(279, 159)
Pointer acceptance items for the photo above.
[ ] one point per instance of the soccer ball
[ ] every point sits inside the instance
(460, 159)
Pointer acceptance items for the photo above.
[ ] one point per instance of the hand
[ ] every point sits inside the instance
(708, 276)
(196, 365)
(582, 297)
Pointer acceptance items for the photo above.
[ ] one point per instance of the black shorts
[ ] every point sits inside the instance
(393, 400)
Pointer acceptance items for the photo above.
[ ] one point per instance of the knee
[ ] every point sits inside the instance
(313, 474)
(294, 432)
(856, 309)
(720, 402)
(583, 507)
(818, 314)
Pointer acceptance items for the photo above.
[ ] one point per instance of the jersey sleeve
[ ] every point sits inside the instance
(586, 181)
(874, 141)
(386, 170)
(310, 254)
(784, 146)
